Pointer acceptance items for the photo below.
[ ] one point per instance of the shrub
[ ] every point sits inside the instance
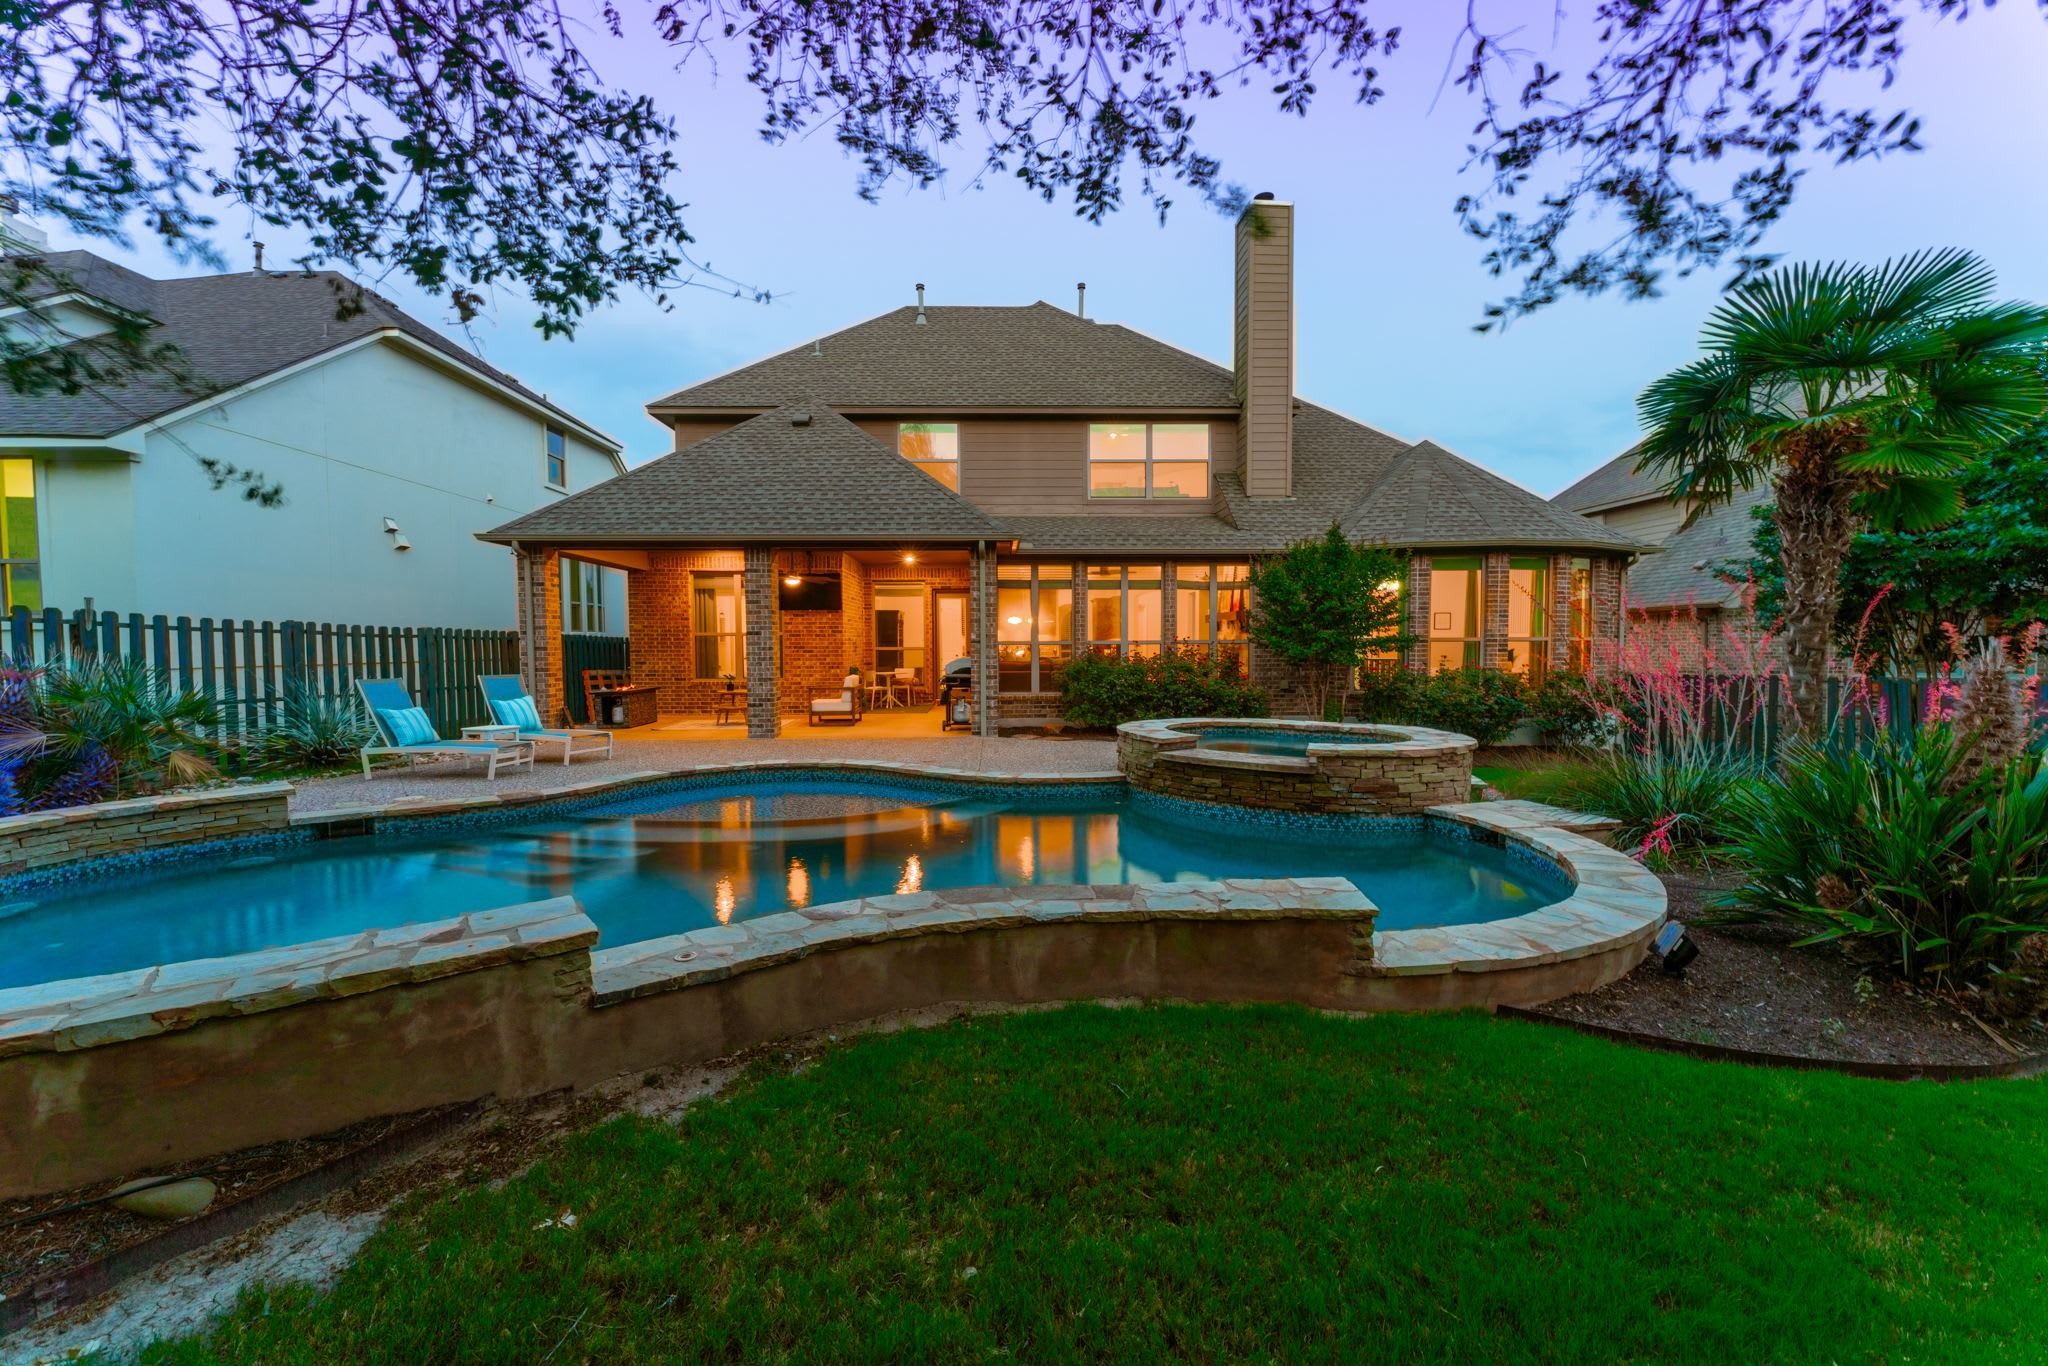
(1483, 703)
(1102, 690)
(313, 730)
(1570, 713)
(1900, 848)
(1664, 801)
(110, 726)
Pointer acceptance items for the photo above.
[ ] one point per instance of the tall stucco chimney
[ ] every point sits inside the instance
(1263, 347)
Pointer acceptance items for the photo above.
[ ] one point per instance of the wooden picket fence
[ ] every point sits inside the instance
(248, 667)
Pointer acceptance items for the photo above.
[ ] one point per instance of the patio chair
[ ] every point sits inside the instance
(405, 729)
(506, 696)
(838, 704)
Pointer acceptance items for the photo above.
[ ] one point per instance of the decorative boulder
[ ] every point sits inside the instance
(172, 1200)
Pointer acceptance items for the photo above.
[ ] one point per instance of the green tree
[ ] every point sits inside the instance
(1859, 394)
(471, 145)
(1323, 604)
(1987, 571)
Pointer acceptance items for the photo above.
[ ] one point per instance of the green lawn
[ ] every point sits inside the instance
(1231, 1185)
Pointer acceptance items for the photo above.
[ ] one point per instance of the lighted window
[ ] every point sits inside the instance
(1126, 609)
(933, 447)
(1162, 460)
(1456, 612)
(1034, 626)
(558, 459)
(1528, 643)
(718, 619)
(20, 547)
(582, 596)
(1212, 609)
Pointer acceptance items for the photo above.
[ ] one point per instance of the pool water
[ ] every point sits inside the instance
(1258, 740)
(658, 865)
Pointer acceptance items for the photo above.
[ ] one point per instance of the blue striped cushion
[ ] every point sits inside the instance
(516, 711)
(409, 726)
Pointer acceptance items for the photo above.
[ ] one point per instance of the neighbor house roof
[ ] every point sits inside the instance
(799, 470)
(1036, 356)
(1614, 484)
(1685, 574)
(230, 330)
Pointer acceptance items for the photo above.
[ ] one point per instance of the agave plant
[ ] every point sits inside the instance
(314, 730)
(121, 722)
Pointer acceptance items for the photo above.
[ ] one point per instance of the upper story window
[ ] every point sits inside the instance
(558, 459)
(1148, 460)
(933, 447)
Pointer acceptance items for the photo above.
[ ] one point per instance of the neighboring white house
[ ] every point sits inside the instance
(393, 446)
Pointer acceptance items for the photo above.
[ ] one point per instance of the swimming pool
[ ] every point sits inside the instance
(659, 863)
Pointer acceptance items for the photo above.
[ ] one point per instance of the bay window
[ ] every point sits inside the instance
(1528, 643)
(1457, 592)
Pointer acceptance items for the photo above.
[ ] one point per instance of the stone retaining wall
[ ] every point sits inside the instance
(103, 1077)
(1411, 772)
(45, 839)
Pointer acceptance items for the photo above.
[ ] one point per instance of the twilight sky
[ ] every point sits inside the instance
(1387, 287)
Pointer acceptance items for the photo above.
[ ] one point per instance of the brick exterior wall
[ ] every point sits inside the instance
(45, 839)
(1416, 657)
(764, 721)
(1559, 611)
(1493, 627)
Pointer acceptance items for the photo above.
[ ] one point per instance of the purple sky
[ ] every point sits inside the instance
(1387, 287)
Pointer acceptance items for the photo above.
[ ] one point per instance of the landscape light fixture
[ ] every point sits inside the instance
(1675, 948)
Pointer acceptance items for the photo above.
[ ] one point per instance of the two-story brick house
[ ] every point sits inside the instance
(1015, 485)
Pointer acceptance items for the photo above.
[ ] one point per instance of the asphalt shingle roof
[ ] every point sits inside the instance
(771, 476)
(1034, 356)
(1432, 497)
(1613, 484)
(1684, 575)
(230, 329)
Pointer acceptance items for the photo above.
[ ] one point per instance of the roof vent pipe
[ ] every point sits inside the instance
(1081, 299)
(920, 303)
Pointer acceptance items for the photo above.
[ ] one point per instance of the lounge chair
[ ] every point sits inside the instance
(405, 729)
(506, 696)
(838, 704)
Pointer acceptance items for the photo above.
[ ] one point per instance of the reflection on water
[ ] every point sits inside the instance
(658, 866)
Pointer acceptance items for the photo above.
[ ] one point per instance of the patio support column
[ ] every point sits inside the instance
(539, 616)
(764, 672)
(1415, 658)
(1169, 607)
(981, 629)
(1493, 612)
(1558, 612)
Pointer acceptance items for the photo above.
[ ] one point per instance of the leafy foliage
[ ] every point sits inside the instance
(1885, 848)
(1665, 801)
(1321, 605)
(114, 725)
(1483, 703)
(1104, 691)
(1565, 706)
(1901, 590)
(1859, 393)
(465, 146)
(313, 730)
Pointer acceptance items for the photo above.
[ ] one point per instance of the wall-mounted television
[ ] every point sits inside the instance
(811, 593)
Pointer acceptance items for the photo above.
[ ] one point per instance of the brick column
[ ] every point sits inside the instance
(1169, 607)
(764, 709)
(1416, 658)
(1559, 611)
(981, 630)
(1493, 610)
(1080, 606)
(1608, 577)
(539, 609)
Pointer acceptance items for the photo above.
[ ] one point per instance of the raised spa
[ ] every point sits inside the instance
(1315, 767)
(657, 864)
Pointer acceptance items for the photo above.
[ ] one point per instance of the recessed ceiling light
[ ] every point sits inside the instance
(793, 580)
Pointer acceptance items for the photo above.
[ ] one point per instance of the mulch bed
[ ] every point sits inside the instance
(1751, 989)
(40, 1247)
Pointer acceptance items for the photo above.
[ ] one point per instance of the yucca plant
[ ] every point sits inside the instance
(1856, 393)
(121, 717)
(314, 730)
(1664, 800)
(1890, 848)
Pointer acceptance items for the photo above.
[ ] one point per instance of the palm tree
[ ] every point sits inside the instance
(1858, 392)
